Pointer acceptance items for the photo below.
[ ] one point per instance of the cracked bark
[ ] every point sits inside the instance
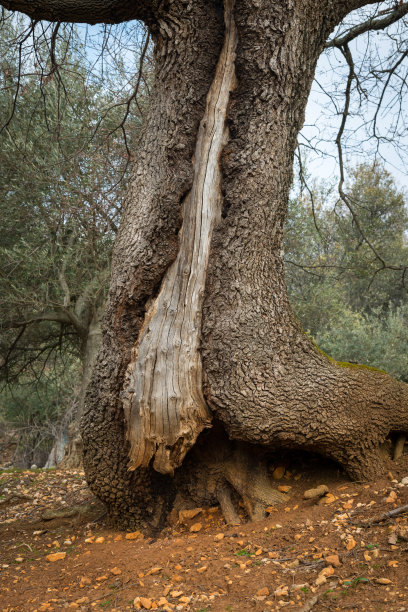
(263, 380)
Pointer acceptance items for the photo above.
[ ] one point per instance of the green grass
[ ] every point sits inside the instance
(244, 553)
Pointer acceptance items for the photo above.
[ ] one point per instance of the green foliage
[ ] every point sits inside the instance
(33, 407)
(63, 170)
(352, 306)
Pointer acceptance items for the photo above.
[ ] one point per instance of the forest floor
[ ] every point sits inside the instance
(321, 555)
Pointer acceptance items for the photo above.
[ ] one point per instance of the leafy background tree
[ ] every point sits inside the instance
(354, 307)
(63, 170)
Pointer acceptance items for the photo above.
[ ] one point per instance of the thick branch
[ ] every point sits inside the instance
(83, 11)
(58, 316)
(374, 23)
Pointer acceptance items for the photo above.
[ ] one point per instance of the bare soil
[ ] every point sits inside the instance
(265, 566)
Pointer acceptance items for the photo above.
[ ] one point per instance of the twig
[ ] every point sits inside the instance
(386, 515)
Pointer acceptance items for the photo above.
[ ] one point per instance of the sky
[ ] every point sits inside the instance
(373, 54)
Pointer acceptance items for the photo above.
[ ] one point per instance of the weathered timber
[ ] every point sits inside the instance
(163, 401)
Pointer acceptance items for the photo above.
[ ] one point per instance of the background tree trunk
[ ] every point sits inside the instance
(264, 380)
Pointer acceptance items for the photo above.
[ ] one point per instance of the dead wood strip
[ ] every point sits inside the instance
(386, 516)
(312, 602)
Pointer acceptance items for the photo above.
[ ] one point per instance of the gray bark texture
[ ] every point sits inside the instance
(198, 326)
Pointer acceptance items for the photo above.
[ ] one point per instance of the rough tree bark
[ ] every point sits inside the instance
(198, 326)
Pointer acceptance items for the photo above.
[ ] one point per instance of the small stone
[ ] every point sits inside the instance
(196, 527)
(202, 569)
(329, 498)
(56, 557)
(391, 498)
(19, 559)
(135, 535)
(176, 594)
(383, 581)
(278, 472)
(82, 600)
(100, 540)
(73, 605)
(327, 571)
(320, 580)
(264, 592)
(102, 578)
(317, 492)
(116, 571)
(219, 536)
(284, 488)
(333, 560)
(185, 599)
(281, 591)
(404, 481)
(162, 602)
(351, 543)
(145, 602)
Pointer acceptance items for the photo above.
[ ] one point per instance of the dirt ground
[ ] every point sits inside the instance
(308, 554)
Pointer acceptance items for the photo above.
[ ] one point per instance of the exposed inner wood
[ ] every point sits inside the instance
(163, 402)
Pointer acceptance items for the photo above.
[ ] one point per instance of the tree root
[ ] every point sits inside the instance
(387, 515)
(223, 472)
(227, 506)
(399, 446)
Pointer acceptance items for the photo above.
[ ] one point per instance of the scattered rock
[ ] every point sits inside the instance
(329, 498)
(281, 591)
(135, 535)
(327, 571)
(351, 543)
(264, 592)
(333, 560)
(145, 602)
(196, 527)
(56, 557)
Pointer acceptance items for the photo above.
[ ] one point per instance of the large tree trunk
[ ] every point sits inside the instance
(198, 323)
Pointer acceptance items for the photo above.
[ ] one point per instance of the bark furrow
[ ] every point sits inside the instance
(163, 401)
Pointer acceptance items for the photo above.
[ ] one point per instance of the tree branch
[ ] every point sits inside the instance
(374, 23)
(58, 316)
(83, 11)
